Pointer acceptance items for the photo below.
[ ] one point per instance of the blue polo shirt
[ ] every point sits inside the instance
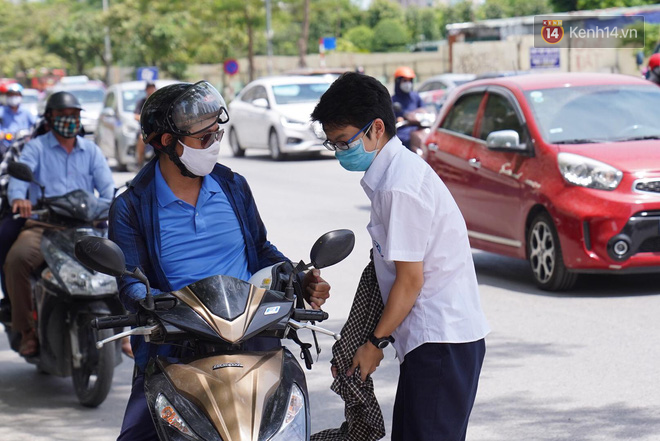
(12, 121)
(202, 241)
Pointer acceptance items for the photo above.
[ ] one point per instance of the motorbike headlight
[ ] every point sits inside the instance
(294, 426)
(587, 172)
(73, 276)
(168, 414)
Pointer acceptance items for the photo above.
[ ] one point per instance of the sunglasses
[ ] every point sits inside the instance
(209, 138)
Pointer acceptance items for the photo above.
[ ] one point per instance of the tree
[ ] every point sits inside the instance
(361, 37)
(423, 24)
(390, 35)
(380, 10)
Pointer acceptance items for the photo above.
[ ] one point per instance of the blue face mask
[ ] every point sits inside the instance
(356, 158)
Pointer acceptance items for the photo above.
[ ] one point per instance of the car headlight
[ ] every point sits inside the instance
(587, 172)
(169, 415)
(72, 275)
(294, 426)
(292, 122)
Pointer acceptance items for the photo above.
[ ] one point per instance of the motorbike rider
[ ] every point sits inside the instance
(61, 161)
(408, 101)
(653, 71)
(185, 217)
(14, 118)
(139, 145)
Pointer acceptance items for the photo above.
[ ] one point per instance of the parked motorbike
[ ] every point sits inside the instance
(219, 391)
(422, 119)
(66, 296)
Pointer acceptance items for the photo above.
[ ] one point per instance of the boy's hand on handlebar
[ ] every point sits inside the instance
(317, 290)
(22, 206)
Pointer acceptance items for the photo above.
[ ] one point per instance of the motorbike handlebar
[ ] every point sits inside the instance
(309, 315)
(115, 321)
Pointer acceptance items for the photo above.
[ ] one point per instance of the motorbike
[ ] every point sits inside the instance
(7, 139)
(218, 390)
(422, 119)
(66, 296)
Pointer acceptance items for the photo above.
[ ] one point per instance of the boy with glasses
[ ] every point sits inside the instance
(423, 263)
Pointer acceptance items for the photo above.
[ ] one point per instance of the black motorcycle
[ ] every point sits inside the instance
(66, 296)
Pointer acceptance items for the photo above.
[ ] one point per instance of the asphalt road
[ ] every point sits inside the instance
(581, 365)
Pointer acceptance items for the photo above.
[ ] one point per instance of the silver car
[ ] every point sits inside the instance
(118, 129)
(274, 113)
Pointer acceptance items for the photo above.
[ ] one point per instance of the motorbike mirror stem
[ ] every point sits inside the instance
(148, 299)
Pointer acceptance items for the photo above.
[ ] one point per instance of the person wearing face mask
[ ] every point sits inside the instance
(406, 100)
(423, 264)
(62, 161)
(13, 118)
(653, 70)
(185, 217)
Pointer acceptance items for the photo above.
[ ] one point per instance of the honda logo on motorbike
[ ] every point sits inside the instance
(225, 365)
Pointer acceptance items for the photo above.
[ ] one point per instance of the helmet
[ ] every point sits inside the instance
(15, 88)
(182, 109)
(404, 72)
(654, 61)
(62, 100)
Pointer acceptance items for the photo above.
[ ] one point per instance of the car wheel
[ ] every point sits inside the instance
(120, 165)
(274, 146)
(545, 256)
(236, 148)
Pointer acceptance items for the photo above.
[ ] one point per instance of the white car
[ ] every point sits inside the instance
(435, 89)
(118, 129)
(274, 113)
(31, 101)
(90, 95)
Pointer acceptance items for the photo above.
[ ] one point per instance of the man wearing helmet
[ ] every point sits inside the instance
(184, 218)
(406, 100)
(653, 71)
(63, 162)
(12, 117)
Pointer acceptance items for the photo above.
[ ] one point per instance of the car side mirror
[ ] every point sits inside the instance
(504, 140)
(108, 112)
(261, 103)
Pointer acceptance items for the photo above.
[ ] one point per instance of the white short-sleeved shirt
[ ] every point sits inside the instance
(414, 219)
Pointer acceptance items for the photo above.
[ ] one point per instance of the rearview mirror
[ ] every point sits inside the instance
(331, 248)
(108, 112)
(20, 171)
(101, 254)
(504, 139)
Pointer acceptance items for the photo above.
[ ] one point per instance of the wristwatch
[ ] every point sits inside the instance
(381, 343)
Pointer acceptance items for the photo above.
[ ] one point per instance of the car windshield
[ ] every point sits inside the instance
(594, 114)
(86, 96)
(299, 93)
(130, 99)
(30, 99)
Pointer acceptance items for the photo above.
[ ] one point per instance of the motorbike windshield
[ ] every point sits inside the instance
(225, 296)
(79, 204)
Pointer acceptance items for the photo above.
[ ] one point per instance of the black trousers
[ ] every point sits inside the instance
(436, 391)
(9, 231)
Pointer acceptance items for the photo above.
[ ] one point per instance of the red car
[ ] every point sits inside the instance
(563, 170)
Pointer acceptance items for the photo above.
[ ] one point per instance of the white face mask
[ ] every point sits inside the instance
(14, 101)
(200, 162)
(406, 86)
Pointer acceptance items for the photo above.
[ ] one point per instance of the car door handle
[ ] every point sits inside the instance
(474, 163)
(433, 147)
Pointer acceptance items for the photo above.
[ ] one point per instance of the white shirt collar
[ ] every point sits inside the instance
(381, 163)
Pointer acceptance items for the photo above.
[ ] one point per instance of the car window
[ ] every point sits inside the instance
(87, 96)
(110, 100)
(462, 116)
(299, 93)
(499, 115)
(260, 92)
(248, 96)
(130, 98)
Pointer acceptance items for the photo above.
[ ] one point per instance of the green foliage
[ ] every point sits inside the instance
(361, 37)
(390, 35)
(602, 4)
(380, 10)
(651, 37)
(423, 24)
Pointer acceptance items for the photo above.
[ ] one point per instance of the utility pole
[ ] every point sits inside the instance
(108, 51)
(269, 39)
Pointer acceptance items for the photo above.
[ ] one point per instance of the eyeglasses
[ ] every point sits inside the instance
(209, 138)
(341, 145)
